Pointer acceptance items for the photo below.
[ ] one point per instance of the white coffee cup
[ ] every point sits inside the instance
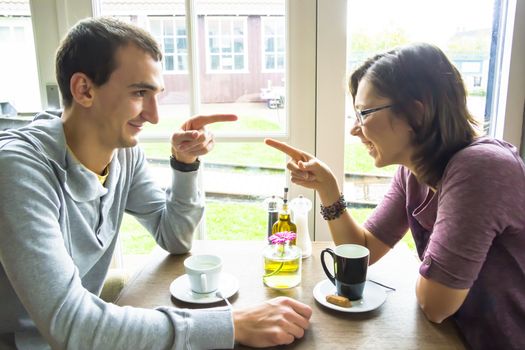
(203, 272)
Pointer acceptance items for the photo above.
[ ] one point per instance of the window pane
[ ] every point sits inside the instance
(181, 45)
(232, 185)
(213, 27)
(464, 38)
(226, 44)
(280, 61)
(181, 28)
(226, 28)
(171, 45)
(224, 32)
(168, 45)
(280, 44)
(267, 167)
(256, 90)
(268, 29)
(239, 62)
(18, 69)
(182, 62)
(238, 28)
(155, 27)
(215, 62)
(19, 34)
(213, 45)
(230, 36)
(161, 21)
(270, 61)
(169, 66)
(4, 34)
(270, 44)
(227, 62)
(238, 45)
(249, 215)
(168, 27)
(280, 28)
(273, 42)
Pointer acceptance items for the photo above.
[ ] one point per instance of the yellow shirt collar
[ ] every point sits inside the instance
(102, 178)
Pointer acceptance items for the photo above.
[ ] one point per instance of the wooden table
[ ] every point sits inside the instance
(397, 324)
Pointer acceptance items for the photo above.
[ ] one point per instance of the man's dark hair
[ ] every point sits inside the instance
(90, 47)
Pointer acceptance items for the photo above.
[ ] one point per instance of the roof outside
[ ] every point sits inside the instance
(165, 7)
(203, 7)
(14, 8)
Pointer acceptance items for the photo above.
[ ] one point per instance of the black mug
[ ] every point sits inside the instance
(350, 267)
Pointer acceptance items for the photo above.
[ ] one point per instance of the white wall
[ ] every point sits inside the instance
(51, 20)
(301, 61)
(510, 104)
(331, 92)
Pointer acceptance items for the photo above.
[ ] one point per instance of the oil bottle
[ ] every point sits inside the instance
(284, 223)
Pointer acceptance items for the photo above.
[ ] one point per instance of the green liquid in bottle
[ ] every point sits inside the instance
(284, 223)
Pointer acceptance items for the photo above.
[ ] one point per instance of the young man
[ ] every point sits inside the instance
(65, 183)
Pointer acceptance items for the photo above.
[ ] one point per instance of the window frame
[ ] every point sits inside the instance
(161, 40)
(232, 37)
(275, 52)
(313, 26)
(16, 93)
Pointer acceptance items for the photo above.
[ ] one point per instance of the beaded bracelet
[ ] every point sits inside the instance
(335, 210)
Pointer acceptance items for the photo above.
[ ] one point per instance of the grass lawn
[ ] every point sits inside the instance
(227, 153)
(134, 237)
(256, 153)
(248, 223)
(252, 117)
(357, 160)
(249, 219)
(242, 153)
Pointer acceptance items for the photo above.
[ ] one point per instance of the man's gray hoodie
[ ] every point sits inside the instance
(58, 229)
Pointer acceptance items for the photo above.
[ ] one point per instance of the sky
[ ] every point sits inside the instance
(425, 20)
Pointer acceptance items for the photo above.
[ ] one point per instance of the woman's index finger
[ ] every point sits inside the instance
(293, 152)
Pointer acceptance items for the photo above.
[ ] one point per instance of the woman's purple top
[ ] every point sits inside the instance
(470, 233)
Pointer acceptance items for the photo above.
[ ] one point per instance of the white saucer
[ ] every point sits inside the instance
(180, 289)
(373, 297)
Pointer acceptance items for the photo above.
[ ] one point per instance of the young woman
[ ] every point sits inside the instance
(461, 195)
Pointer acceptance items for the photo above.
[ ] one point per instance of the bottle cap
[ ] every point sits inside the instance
(272, 203)
(301, 204)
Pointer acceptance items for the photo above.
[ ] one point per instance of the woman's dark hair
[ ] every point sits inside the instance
(90, 47)
(421, 72)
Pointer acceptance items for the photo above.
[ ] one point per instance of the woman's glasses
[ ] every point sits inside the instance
(362, 115)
